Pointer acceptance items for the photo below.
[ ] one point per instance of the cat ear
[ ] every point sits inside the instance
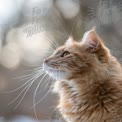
(91, 40)
(69, 41)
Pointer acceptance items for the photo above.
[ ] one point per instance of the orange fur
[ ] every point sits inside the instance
(92, 92)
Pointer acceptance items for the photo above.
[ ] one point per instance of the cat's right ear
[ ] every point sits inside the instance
(91, 41)
(69, 41)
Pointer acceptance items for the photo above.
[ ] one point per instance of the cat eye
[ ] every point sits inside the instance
(65, 54)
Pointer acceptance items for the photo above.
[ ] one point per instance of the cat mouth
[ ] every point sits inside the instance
(55, 72)
(51, 70)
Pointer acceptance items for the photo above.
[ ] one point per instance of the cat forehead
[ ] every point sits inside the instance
(73, 47)
(59, 50)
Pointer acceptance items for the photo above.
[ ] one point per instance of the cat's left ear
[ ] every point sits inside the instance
(91, 40)
(69, 41)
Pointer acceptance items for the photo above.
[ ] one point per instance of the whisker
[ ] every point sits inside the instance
(26, 92)
(34, 98)
(56, 44)
(33, 70)
(33, 79)
(20, 86)
(44, 85)
(73, 26)
(19, 95)
(52, 49)
(60, 33)
(64, 31)
(42, 98)
(25, 76)
(53, 43)
(38, 68)
(62, 28)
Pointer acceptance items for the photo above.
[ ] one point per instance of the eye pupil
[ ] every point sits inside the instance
(65, 54)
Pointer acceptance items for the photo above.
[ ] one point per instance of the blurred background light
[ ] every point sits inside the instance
(23, 119)
(11, 56)
(68, 8)
(9, 11)
(31, 47)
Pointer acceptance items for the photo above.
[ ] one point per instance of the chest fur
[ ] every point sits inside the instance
(77, 107)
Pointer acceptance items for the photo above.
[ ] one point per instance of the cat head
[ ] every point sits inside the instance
(77, 58)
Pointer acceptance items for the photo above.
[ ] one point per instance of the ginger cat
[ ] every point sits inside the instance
(89, 80)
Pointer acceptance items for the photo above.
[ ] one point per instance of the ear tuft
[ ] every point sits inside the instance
(69, 41)
(94, 28)
(91, 40)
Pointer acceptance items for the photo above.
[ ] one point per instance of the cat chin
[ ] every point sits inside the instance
(55, 73)
(58, 75)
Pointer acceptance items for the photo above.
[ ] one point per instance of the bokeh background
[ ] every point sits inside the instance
(29, 31)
